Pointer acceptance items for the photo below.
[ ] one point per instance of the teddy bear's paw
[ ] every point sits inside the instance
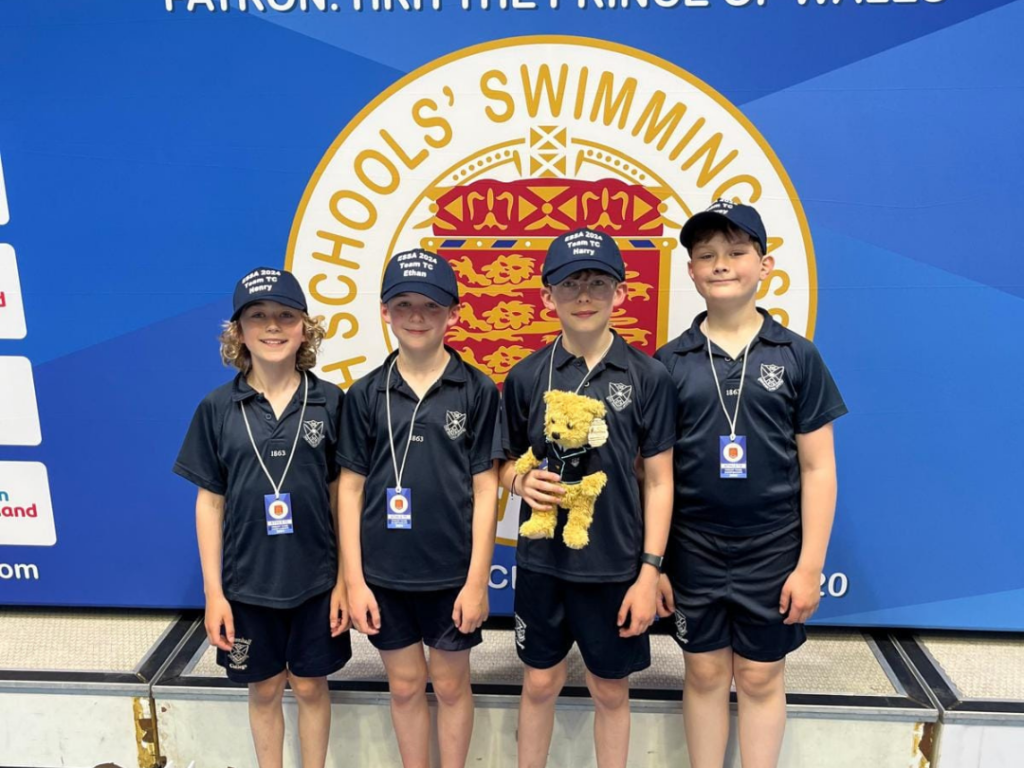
(575, 537)
(539, 526)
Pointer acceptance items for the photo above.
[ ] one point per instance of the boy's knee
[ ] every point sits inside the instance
(608, 694)
(268, 692)
(308, 689)
(705, 674)
(450, 689)
(405, 688)
(760, 681)
(542, 685)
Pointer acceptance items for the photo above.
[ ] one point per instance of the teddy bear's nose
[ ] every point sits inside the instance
(556, 436)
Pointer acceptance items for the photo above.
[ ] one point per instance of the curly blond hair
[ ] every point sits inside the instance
(234, 352)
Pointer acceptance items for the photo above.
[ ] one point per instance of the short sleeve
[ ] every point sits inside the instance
(354, 444)
(659, 414)
(333, 467)
(818, 401)
(515, 417)
(198, 460)
(485, 417)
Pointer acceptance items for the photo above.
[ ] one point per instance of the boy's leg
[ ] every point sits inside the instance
(410, 715)
(706, 706)
(537, 713)
(314, 700)
(761, 694)
(266, 720)
(611, 720)
(592, 611)
(449, 674)
(543, 639)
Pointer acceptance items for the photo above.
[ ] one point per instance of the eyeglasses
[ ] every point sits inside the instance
(599, 288)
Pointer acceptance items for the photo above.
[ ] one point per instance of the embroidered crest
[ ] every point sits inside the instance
(520, 632)
(771, 376)
(239, 654)
(619, 395)
(454, 424)
(313, 432)
(681, 627)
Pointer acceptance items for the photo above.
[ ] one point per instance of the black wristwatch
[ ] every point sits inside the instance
(649, 559)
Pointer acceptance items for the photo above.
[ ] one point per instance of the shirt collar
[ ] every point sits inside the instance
(618, 354)
(241, 390)
(694, 338)
(454, 372)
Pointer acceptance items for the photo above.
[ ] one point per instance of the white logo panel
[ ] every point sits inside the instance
(12, 310)
(19, 416)
(5, 212)
(26, 512)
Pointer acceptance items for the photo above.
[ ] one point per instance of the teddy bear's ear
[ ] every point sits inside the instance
(595, 408)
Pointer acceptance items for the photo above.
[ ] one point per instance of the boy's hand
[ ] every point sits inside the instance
(666, 599)
(640, 604)
(363, 609)
(540, 489)
(471, 608)
(340, 619)
(218, 614)
(800, 596)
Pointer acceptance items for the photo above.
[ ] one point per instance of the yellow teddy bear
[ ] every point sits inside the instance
(574, 427)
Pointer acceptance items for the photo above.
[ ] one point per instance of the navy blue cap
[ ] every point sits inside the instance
(423, 272)
(743, 217)
(580, 250)
(268, 284)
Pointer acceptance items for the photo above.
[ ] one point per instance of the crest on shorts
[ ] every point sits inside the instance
(454, 424)
(771, 376)
(520, 632)
(681, 627)
(313, 432)
(619, 395)
(239, 653)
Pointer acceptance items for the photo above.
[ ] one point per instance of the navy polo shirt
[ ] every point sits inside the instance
(641, 410)
(453, 440)
(787, 391)
(279, 571)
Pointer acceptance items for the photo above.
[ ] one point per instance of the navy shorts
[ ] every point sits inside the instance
(552, 614)
(270, 640)
(727, 591)
(407, 618)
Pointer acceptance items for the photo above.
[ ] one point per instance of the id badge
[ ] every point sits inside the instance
(733, 455)
(279, 514)
(400, 509)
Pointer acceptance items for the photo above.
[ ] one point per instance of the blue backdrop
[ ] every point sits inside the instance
(150, 157)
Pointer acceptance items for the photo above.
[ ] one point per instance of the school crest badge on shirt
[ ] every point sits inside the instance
(313, 432)
(454, 424)
(619, 395)
(771, 376)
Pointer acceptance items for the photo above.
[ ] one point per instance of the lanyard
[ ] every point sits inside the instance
(551, 363)
(739, 393)
(279, 485)
(399, 471)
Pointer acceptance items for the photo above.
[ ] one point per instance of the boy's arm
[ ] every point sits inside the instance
(340, 619)
(210, 534)
(641, 601)
(801, 592)
(362, 604)
(471, 606)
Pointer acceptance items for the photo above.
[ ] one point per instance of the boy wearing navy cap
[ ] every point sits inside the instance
(755, 491)
(418, 508)
(603, 595)
(261, 450)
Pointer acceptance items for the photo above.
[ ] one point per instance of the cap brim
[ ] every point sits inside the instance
(431, 291)
(699, 220)
(285, 300)
(558, 274)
